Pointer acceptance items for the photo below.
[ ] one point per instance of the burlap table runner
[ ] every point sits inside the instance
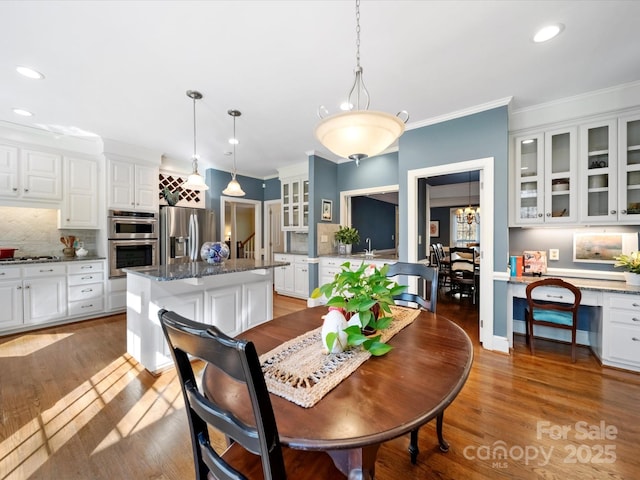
(299, 371)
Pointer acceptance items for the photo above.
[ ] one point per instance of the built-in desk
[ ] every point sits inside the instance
(609, 318)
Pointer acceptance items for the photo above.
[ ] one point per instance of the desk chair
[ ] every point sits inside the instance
(429, 278)
(550, 313)
(255, 448)
(463, 271)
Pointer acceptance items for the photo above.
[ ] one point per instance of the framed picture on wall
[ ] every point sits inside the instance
(327, 210)
(602, 247)
(434, 228)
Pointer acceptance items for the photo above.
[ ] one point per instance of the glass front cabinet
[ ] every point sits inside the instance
(629, 168)
(545, 177)
(295, 204)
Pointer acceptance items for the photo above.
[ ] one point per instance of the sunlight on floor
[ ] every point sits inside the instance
(29, 344)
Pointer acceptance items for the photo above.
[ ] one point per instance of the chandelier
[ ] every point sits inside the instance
(469, 214)
(233, 188)
(195, 181)
(359, 132)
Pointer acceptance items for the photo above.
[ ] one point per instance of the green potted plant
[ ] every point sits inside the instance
(364, 296)
(631, 264)
(346, 236)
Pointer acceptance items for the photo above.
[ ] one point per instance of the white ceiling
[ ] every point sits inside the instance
(120, 69)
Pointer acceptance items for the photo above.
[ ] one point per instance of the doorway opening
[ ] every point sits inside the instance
(485, 166)
(240, 225)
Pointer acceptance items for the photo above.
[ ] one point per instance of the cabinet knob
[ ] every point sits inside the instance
(613, 212)
(548, 214)
(624, 212)
(19, 287)
(15, 189)
(635, 339)
(67, 219)
(26, 190)
(27, 286)
(539, 215)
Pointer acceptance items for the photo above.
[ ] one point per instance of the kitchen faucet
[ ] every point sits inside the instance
(368, 251)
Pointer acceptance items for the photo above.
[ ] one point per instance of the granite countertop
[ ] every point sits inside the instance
(586, 284)
(182, 271)
(362, 256)
(16, 261)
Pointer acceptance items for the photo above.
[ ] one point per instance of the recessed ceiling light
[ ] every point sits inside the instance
(29, 72)
(22, 112)
(234, 141)
(548, 32)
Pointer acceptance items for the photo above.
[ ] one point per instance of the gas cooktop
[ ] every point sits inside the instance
(27, 259)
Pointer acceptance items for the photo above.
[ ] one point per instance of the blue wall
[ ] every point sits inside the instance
(272, 189)
(372, 172)
(481, 135)
(373, 219)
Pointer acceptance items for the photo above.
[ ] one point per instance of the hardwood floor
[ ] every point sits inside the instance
(74, 405)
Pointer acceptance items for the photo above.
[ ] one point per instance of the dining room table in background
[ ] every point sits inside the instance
(384, 398)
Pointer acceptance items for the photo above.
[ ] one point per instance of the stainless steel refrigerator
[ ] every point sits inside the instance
(183, 230)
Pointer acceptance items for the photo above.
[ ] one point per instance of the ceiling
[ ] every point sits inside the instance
(120, 69)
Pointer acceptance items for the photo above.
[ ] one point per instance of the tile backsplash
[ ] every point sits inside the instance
(34, 231)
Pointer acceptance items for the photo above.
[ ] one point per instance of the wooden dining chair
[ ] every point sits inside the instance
(255, 451)
(463, 271)
(558, 310)
(428, 282)
(443, 268)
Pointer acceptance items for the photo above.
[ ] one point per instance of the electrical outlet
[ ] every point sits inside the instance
(554, 254)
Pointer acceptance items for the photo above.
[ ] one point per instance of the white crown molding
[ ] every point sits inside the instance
(460, 113)
(296, 170)
(598, 102)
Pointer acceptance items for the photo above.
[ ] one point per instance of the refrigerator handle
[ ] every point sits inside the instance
(196, 242)
(190, 248)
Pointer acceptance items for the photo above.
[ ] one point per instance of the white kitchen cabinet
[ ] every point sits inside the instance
(133, 186)
(545, 177)
(223, 308)
(44, 292)
(28, 174)
(629, 168)
(621, 332)
(293, 279)
(257, 299)
(10, 297)
(81, 194)
(598, 165)
(295, 204)
(85, 287)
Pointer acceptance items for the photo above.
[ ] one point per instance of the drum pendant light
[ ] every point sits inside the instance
(195, 181)
(233, 188)
(359, 133)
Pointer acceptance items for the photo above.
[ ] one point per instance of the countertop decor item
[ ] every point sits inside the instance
(346, 236)
(7, 252)
(214, 252)
(631, 264)
(361, 292)
(171, 197)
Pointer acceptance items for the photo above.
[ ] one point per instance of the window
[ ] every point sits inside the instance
(463, 233)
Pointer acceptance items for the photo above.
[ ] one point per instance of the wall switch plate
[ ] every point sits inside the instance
(323, 239)
(554, 254)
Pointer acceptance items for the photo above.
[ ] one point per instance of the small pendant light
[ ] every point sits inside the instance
(195, 181)
(233, 188)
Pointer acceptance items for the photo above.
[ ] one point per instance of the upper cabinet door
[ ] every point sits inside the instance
(598, 167)
(8, 171)
(629, 168)
(529, 179)
(561, 186)
(82, 192)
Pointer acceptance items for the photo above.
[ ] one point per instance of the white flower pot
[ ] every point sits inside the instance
(632, 278)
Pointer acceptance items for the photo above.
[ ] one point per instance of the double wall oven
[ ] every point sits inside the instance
(133, 241)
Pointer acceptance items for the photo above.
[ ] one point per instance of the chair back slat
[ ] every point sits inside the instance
(237, 359)
(429, 277)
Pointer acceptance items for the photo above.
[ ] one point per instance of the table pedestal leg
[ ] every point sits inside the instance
(356, 463)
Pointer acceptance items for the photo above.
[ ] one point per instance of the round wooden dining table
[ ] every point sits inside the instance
(386, 396)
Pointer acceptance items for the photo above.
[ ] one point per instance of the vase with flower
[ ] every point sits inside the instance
(364, 297)
(631, 264)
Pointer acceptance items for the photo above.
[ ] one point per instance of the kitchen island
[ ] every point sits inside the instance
(234, 296)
